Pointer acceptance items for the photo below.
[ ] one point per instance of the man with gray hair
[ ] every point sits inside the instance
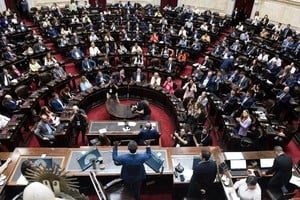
(79, 123)
(281, 169)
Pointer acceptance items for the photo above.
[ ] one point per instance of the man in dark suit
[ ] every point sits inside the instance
(204, 174)
(10, 104)
(281, 169)
(88, 64)
(207, 62)
(170, 65)
(44, 129)
(148, 133)
(56, 104)
(138, 76)
(243, 83)
(247, 100)
(133, 170)
(5, 78)
(283, 99)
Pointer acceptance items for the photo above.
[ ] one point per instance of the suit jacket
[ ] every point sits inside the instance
(146, 134)
(11, 105)
(42, 130)
(57, 107)
(142, 77)
(204, 174)
(133, 169)
(248, 103)
(243, 84)
(173, 66)
(84, 64)
(282, 171)
(227, 64)
(73, 54)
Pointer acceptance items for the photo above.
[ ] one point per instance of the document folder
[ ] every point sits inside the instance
(86, 160)
(154, 162)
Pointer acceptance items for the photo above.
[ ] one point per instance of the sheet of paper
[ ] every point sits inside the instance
(234, 155)
(295, 180)
(132, 123)
(102, 130)
(121, 123)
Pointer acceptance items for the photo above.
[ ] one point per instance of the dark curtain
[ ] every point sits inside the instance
(163, 3)
(172, 3)
(102, 3)
(244, 6)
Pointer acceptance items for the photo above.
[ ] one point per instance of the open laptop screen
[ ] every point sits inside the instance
(266, 162)
(238, 164)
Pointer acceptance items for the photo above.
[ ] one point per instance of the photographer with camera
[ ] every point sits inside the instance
(79, 123)
(143, 109)
(183, 138)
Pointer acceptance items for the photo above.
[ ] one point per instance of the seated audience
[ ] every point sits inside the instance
(87, 64)
(155, 80)
(56, 104)
(44, 129)
(59, 72)
(10, 104)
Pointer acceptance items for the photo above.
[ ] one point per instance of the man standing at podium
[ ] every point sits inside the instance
(133, 170)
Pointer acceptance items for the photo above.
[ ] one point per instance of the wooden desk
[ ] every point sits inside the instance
(118, 110)
(115, 130)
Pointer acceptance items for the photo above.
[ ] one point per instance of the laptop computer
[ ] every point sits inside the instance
(238, 168)
(266, 164)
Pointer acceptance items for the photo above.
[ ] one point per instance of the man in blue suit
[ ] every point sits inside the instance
(133, 170)
(88, 64)
(56, 104)
(148, 133)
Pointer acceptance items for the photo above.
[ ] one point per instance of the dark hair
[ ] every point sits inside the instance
(132, 146)
(251, 180)
(205, 154)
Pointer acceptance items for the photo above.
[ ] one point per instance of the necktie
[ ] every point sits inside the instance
(49, 130)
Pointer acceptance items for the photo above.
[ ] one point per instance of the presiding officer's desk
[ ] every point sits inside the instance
(116, 130)
(67, 159)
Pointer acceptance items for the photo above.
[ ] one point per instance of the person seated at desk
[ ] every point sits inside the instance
(169, 85)
(52, 32)
(283, 99)
(167, 52)
(247, 100)
(138, 60)
(88, 64)
(10, 104)
(112, 90)
(59, 72)
(133, 170)
(3, 121)
(9, 55)
(281, 169)
(101, 79)
(44, 129)
(242, 83)
(39, 46)
(244, 122)
(85, 84)
(182, 56)
(5, 78)
(66, 95)
(203, 138)
(76, 53)
(94, 50)
(136, 49)
(204, 174)
(56, 104)
(170, 66)
(182, 139)
(190, 89)
(155, 80)
(138, 76)
(205, 38)
(247, 188)
(143, 109)
(34, 66)
(120, 77)
(148, 133)
(52, 118)
(230, 103)
(154, 38)
(49, 60)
